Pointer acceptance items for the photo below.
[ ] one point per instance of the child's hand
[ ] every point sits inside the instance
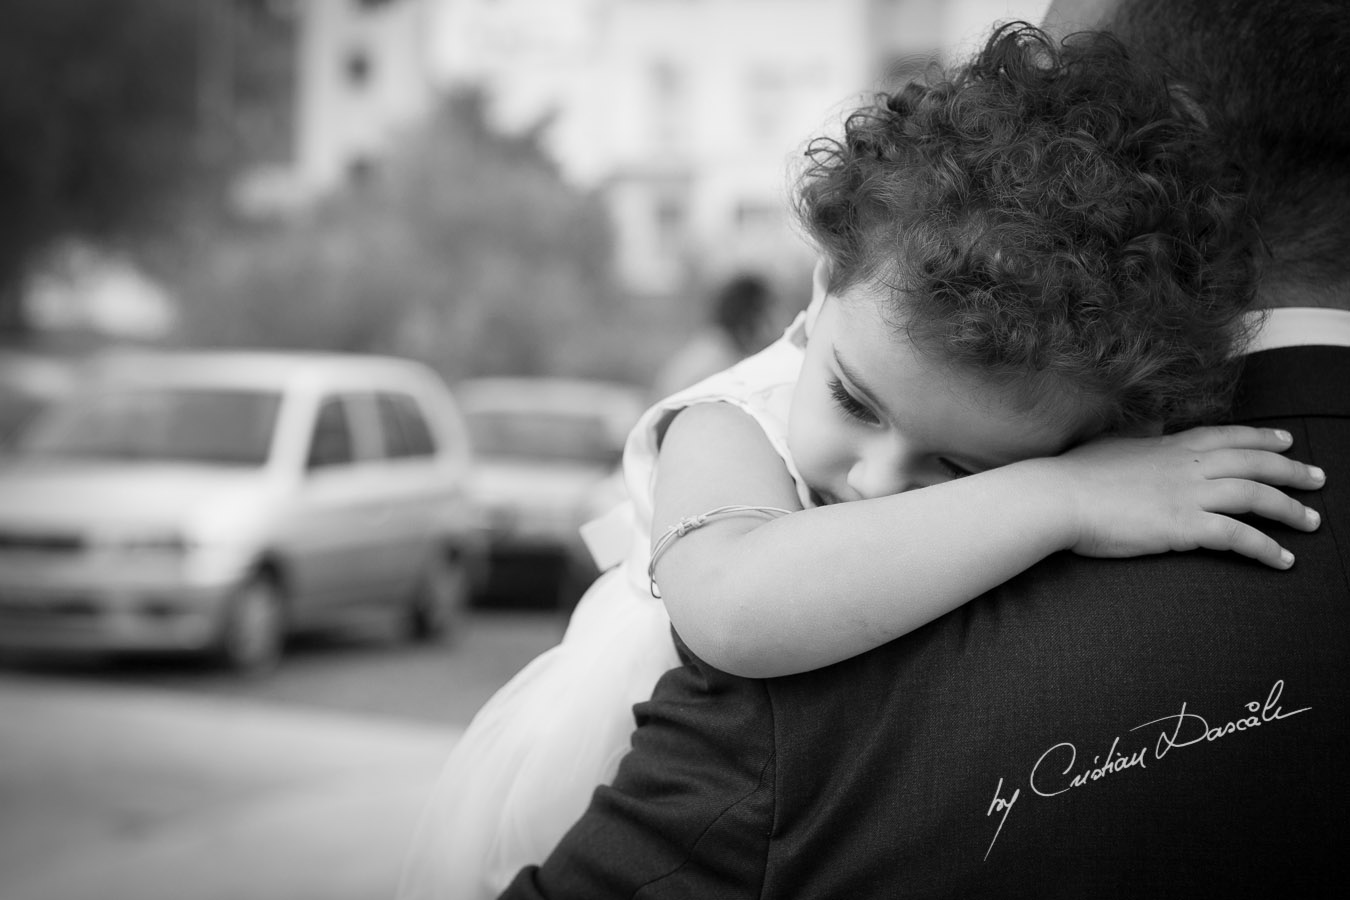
(1150, 495)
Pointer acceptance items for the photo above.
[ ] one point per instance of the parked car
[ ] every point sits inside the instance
(546, 448)
(219, 502)
(28, 382)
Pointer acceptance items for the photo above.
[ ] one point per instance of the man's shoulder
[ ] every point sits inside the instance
(1083, 728)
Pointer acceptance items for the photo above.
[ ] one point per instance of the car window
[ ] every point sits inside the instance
(16, 408)
(405, 428)
(158, 424)
(542, 435)
(29, 386)
(331, 442)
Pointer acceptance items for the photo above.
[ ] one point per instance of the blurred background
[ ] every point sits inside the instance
(321, 324)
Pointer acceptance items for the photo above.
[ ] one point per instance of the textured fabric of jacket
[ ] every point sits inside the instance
(1170, 726)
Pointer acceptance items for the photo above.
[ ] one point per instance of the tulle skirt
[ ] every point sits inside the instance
(526, 766)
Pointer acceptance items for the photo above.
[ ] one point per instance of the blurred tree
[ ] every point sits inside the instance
(460, 247)
(105, 119)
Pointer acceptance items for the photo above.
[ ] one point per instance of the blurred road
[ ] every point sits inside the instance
(364, 670)
(146, 780)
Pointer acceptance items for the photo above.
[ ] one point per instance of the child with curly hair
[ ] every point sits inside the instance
(1031, 276)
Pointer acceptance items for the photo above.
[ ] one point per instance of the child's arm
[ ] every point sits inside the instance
(764, 598)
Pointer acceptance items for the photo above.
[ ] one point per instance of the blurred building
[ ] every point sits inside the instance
(689, 114)
(359, 74)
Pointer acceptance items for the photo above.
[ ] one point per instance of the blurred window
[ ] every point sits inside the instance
(361, 170)
(359, 68)
(755, 216)
(331, 442)
(772, 92)
(16, 408)
(670, 215)
(405, 428)
(541, 435)
(668, 104)
(199, 425)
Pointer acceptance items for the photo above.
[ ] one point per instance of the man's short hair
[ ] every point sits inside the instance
(1275, 75)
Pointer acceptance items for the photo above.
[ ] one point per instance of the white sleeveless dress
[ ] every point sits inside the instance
(526, 766)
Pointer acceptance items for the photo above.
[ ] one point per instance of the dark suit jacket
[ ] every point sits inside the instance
(1175, 725)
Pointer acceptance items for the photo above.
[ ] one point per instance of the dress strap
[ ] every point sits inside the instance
(688, 524)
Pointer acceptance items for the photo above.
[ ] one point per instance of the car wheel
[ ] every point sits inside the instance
(253, 635)
(441, 598)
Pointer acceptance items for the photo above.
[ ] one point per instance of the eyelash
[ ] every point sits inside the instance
(953, 469)
(850, 404)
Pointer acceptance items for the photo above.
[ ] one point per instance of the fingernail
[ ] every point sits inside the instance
(1313, 518)
(1283, 435)
(1317, 474)
(1286, 558)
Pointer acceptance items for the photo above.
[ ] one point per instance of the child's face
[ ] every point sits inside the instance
(871, 416)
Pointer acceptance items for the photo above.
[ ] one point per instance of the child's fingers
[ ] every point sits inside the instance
(1237, 437)
(1235, 496)
(1260, 465)
(1223, 533)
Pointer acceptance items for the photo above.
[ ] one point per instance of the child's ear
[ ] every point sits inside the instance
(820, 280)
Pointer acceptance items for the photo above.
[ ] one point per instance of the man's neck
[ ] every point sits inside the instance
(1283, 296)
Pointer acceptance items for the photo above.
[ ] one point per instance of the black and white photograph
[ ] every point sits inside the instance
(684, 449)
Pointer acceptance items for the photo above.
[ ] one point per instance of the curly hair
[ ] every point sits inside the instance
(1051, 217)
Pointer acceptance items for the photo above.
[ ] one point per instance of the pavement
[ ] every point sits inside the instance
(110, 792)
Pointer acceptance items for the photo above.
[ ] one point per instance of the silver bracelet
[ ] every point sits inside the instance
(686, 525)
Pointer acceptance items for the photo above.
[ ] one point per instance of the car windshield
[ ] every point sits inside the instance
(216, 426)
(545, 436)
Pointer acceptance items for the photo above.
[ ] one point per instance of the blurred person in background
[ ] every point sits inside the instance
(804, 461)
(740, 322)
(1164, 726)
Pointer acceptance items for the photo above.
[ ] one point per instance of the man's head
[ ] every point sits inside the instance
(1050, 218)
(1275, 76)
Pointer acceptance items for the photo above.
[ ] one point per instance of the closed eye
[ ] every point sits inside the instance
(851, 405)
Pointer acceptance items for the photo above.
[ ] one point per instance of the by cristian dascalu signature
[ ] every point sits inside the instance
(1060, 769)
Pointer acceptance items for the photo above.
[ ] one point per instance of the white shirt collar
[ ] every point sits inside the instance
(1301, 326)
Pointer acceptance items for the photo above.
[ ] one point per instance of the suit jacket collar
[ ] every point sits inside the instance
(1294, 381)
(1299, 326)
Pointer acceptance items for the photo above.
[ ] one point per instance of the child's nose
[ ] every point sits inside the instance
(881, 473)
